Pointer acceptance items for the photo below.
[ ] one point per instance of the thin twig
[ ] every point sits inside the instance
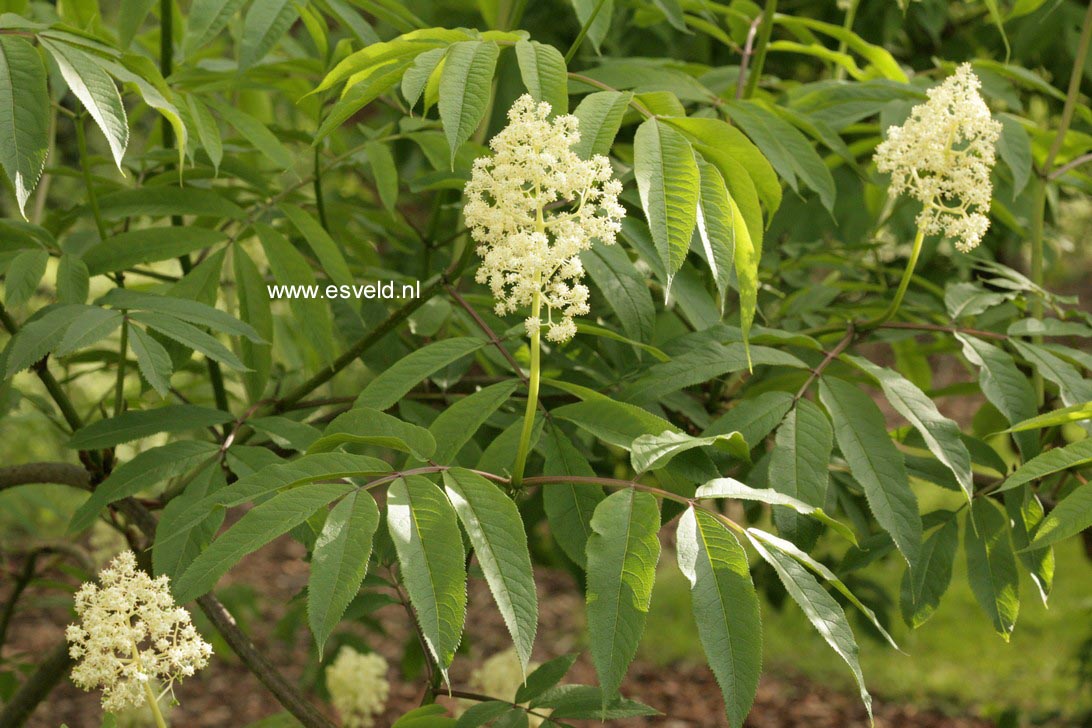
(745, 61)
(851, 333)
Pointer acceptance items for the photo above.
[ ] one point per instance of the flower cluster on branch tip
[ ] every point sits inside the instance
(130, 635)
(942, 156)
(533, 206)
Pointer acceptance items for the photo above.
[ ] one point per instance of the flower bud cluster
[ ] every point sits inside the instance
(358, 687)
(131, 634)
(532, 207)
(942, 156)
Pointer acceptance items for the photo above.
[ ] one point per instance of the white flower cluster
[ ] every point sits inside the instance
(358, 687)
(500, 677)
(131, 634)
(532, 207)
(942, 156)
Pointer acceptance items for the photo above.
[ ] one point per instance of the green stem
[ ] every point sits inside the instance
(532, 398)
(851, 15)
(123, 350)
(583, 32)
(1038, 213)
(85, 165)
(903, 284)
(764, 33)
(153, 705)
(166, 57)
(316, 183)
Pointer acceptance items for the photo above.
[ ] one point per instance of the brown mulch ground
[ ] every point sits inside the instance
(226, 694)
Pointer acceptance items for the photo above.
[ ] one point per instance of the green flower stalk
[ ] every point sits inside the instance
(942, 156)
(532, 207)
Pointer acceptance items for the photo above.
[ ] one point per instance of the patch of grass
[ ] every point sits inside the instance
(954, 661)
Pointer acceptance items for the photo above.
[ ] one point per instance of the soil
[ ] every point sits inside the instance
(226, 694)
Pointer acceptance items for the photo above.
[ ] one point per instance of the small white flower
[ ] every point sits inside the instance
(124, 625)
(358, 687)
(532, 207)
(942, 156)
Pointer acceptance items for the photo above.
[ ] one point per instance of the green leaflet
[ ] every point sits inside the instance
(454, 427)
(1071, 516)
(390, 386)
(1052, 461)
(290, 267)
(652, 452)
(875, 463)
(600, 115)
(152, 359)
(825, 614)
(785, 147)
(622, 553)
(385, 171)
(727, 141)
(730, 488)
(256, 528)
(168, 200)
(425, 531)
(753, 418)
(1072, 386)
(599, 13)
(922, 589)
(1005, 386)
(143, 471)
(24, 116)
(615, 423)
(148, 246)
(404, 47)
(265, 23)
(465, 88)
(417, 75)
(669, 184)
(716, 227)
(340, 562)
(145, 76)
(189, 336)
(725, 607)
(1026, 512)
(41, 335)
(325, 249)
(286, 432)
(790, 549)
(569, 506)
(363, 425)
(207, 18)
(991, 565)
(73, 282)
(588, 702)
(269, 478)
(745, 256)
(96, 91)
(255, 309)
(941, 434)
(496, 531)
(799, 463)
(256, 132)
(702, 364)
(623, 287)
(208, 131)
(544, 677)
(180, 308)
(23, 275)
(173, 557)
(1014, 147)
(137, 424)
(543, 70)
